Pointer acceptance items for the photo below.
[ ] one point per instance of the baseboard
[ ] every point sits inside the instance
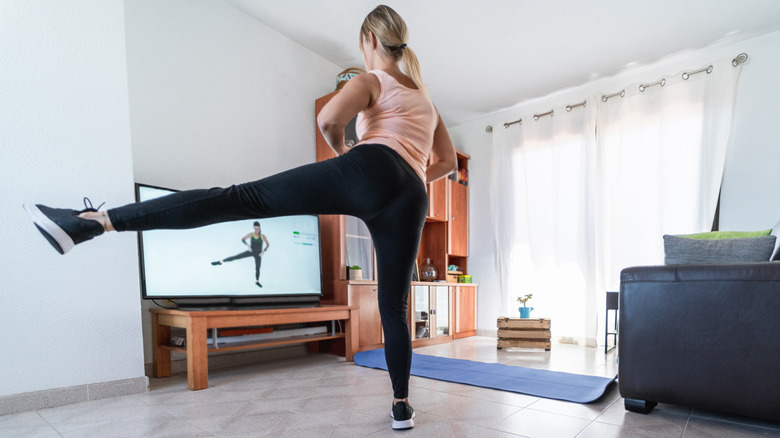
(488, 333)
(49, 398)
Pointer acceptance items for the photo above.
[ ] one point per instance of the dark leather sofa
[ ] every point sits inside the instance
(704, 336)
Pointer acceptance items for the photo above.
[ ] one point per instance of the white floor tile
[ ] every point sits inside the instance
(321, 395)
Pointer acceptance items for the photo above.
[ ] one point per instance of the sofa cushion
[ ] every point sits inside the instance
(682, 250)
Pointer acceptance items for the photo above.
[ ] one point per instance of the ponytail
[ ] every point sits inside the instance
(411, 66)
(390, 30)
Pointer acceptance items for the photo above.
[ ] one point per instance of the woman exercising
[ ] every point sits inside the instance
(381, 180)
(254, 249)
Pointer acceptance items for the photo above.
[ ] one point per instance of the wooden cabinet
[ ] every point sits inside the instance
(446, 233)
(458, 230)
(344, 241)
(465, 312)
(431, 314)
(370, 332)
(437, 200)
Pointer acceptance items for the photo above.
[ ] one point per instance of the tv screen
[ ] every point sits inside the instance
(212, 266)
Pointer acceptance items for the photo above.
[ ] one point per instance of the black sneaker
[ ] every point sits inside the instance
(258, 284)
(62, 227)
(402, 415)
(217, 263)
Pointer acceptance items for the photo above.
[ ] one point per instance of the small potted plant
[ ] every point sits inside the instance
(355, 272)
(525, 311)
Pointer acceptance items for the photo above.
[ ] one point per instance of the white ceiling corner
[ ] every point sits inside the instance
(479, 57)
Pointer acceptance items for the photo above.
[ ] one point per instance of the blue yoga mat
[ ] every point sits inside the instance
(557, 385)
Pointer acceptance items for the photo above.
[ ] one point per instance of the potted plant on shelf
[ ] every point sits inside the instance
(525, 311)
(355, 272)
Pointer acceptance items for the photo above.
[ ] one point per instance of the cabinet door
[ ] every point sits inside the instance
(441, 310)
(421, 313)
(365, 296)
(465, 298)
(437, 200)
(458, 225)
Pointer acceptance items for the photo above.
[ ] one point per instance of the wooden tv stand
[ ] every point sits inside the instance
(197, 322)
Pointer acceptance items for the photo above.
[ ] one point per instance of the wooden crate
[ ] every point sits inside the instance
(524, 333)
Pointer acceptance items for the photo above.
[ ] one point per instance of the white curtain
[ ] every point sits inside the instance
(661, 157)
(579, 196)
(505, 220)
(543, 183)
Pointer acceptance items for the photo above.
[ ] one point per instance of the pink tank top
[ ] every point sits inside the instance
(402, 119)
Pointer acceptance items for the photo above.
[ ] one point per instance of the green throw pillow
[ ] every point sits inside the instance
(727, 234)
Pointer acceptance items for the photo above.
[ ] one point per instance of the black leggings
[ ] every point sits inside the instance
(370, 182)
(245, 254)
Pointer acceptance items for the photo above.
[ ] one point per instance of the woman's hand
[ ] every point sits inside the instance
(445, 161)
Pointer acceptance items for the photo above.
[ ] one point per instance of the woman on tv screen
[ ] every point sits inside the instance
(254, 249)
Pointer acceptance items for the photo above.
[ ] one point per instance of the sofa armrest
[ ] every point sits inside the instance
(702, 335)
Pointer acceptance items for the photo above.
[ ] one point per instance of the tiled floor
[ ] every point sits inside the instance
(322, 396)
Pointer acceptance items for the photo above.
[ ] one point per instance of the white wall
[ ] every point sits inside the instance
(216, 98)
(213, 96)
(749, 200)
(64, 134)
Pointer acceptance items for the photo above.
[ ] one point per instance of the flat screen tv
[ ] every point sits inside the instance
(211, 267)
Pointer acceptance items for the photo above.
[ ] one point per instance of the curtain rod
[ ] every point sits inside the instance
(739, 59)
(686, 75)
(643, 87)
(548, 113)
(620, 93)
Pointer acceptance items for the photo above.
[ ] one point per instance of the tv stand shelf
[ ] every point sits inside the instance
(198, 322)
(265, 343)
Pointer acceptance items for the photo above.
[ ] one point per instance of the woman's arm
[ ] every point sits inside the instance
(356, 96)
(243, 240)
(265, 239)
(445, 161)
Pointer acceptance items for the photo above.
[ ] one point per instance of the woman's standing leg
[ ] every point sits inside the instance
(396, 235)
(258, 262)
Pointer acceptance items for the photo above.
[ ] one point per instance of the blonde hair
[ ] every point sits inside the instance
(390, 30)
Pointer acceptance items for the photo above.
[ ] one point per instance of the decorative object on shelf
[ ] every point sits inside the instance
(346, 75)
(461, 176)
(428, 271)
(453, 274)
(464, 279)
(355, 272)
(525, 311)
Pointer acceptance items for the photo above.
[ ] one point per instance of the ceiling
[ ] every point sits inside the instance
(479, 57)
